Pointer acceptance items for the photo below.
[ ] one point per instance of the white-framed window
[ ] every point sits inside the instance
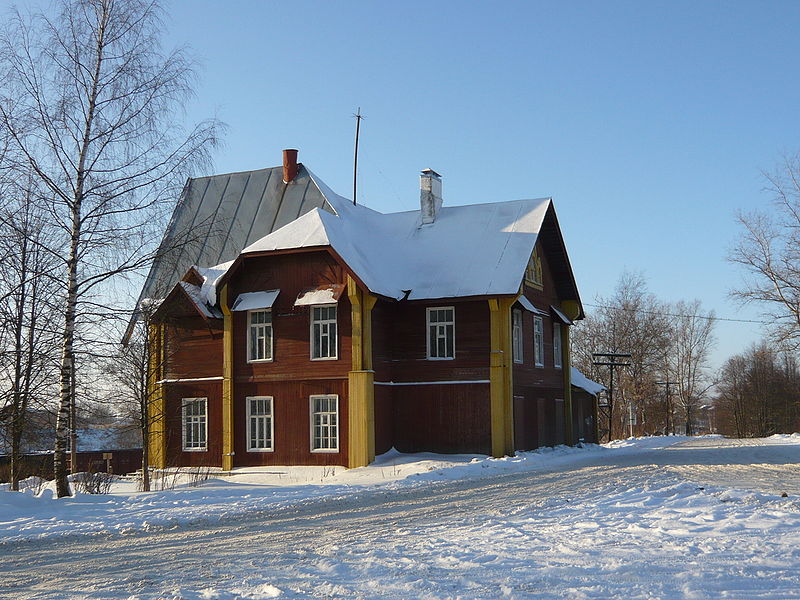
(194, 424)
(260, 428)
(516, 335)
(259, 340)
(325, 423)
(441, 332)
(324, 344)
(538, 341)
(557, 345)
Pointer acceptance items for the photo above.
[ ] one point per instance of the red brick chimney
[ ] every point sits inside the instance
(289, 165)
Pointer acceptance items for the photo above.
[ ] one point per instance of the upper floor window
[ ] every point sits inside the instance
(557, 345)
(259, 341)
(516, 333)
(441, 332)
(259, 421)
(533, 273)
(323, 332)
(538, 341)
(325, 423)
(195, 424)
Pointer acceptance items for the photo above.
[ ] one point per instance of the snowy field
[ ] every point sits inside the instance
(649, 518)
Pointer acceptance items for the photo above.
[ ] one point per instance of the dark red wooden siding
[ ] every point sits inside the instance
(174, 394)
(442, 418)
(291, 377)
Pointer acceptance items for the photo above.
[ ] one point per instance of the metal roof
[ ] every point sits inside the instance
(217, 216)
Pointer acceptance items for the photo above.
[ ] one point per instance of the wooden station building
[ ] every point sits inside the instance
(311, 331)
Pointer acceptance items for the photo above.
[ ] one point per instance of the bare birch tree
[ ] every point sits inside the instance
(769, 251)
(90, 107)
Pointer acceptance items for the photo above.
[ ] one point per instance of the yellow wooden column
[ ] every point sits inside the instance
(227, 381)
(572, 310)
(500, 377)
(361, 380)
(155, 397)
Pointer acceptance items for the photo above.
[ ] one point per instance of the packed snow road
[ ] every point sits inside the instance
(674, 522)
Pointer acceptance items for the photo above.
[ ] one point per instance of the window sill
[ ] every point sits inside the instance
(325, 451)
(325, 358)
(441, 358)
(261, 450)
(534, 285)
(260, 360)
(195, 450)
(541, 366)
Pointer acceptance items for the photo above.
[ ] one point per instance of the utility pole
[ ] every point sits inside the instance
(670, 428)
(358, 118)
(609, 359)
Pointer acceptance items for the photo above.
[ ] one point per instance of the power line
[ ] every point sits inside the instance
(666, 314)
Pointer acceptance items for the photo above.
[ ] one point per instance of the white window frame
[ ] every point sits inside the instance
(250, 328)
(516, 335)
(312, 422)
(271, 417)
(312, 321)
(557, 345)
(428, 326)
(200, 419)
(538, 341)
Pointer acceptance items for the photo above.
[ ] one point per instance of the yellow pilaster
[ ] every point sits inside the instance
(227, 381)
(572, 310)
(155, 397)
(361, 390)
(500, 377)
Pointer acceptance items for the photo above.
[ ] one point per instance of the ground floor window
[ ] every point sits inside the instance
(195, 424)
(260, 427)
(325, 423)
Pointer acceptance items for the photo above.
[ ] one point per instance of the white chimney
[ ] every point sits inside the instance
(430, 195)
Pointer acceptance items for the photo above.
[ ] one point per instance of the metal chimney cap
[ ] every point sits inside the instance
(431, 172)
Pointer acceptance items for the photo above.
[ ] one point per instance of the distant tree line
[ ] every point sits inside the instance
(666, 387)
(759, 393)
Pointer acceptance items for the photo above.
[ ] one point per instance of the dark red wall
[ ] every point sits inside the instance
(174, 393)
(442, 418)
(292, 424)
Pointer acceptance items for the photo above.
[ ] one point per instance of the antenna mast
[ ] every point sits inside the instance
(358, 118)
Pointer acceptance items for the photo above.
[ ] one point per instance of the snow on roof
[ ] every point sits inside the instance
(528, 305)
(561, 316)
(255, 300)
(211, 276)
(195, 293)
(328, 294)
(580, 380)
(473, 250)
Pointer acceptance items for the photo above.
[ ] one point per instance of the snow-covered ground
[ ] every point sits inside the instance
(205, 495)
(649, 518)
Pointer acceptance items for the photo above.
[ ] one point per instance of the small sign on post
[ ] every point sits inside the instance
(107, 456)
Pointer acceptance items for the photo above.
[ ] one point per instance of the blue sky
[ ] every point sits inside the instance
(648, 123)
